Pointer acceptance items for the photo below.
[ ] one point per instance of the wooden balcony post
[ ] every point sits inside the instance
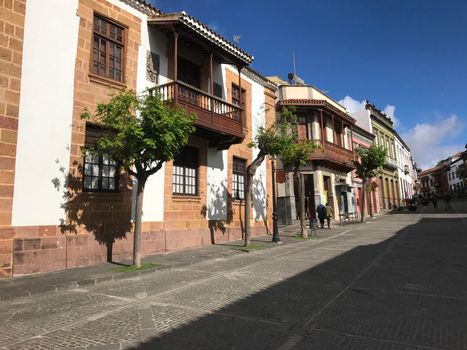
(211, 88)
(334, 131)
(322, 127)
(342, 135)
(175, 65)
(242, 114)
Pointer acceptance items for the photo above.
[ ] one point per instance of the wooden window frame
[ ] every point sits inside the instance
(236, 196)
(184, 176)
(235, 101)
(100, 164)
(124, 44)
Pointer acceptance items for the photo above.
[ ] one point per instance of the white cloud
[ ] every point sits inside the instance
(390, 110)
(429, 142)
(352, 105)
(355, 106)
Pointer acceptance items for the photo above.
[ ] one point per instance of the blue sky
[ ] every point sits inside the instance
(408, 57)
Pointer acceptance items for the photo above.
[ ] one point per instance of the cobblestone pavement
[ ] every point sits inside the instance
(398, 282)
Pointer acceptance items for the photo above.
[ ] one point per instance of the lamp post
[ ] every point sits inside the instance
(275, 228)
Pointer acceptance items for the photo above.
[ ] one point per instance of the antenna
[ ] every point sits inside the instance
(293, 60)
(294, 79)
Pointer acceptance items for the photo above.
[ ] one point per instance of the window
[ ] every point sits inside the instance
(185, 172)
(217, 90)
(236, 100)
(238, 178)
(107, 49)
(100, 172)
(188, 72)
(236, 96)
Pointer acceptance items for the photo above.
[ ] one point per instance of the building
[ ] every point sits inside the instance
(434, 180)
(328, 173)
(455, 180)
(406, 170)
(388, 182)
(364, 139)
(61, 209)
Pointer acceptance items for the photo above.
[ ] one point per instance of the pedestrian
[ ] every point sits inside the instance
(434, 200)
(321, 210)
(447, 200)
(329, 214)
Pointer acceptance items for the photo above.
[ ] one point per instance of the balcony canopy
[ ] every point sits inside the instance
(195, 33)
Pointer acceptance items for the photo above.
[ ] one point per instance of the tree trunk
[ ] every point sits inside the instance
(301, 201)
(250, 173)
(363, 199)
(138, 222)
(249, 186)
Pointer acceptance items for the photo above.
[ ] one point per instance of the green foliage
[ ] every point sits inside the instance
(140, 131)
(370, 159)
(297, 154)
(275, 139)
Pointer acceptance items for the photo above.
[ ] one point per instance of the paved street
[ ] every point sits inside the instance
(398, 282)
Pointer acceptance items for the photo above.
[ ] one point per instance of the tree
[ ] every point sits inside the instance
(369, 160)
(298, 154)
(140, 132)
(270, 141)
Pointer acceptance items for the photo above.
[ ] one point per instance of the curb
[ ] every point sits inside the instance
(118, 276)
(81, 283)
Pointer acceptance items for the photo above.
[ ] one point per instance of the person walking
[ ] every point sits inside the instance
(434, 200)
(329, 213)
(321, 210)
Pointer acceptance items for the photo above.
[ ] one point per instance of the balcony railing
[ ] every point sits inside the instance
(390, 163)
(334, 153)
(212, 113)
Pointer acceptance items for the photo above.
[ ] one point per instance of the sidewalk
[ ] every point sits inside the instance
(24, 286)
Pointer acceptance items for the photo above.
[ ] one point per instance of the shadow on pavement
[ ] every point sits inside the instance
(414, 295)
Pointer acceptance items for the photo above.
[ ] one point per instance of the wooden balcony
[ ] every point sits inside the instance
(333, 156)
(217, 119)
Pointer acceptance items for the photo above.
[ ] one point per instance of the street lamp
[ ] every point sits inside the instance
(275, 228)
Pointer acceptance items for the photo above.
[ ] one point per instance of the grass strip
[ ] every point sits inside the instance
(132, 268)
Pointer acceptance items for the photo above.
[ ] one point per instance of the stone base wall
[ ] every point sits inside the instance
(46, 248)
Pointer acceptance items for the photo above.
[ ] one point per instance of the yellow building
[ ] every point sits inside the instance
(387, 179)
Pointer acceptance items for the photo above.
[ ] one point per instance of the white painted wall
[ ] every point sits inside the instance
(258, 119)
(406, 181)
(453, 179)
(363, 120)
(45, 112)
(216, 201)
(154, 41)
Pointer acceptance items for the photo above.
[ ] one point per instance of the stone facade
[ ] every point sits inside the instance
(12, 14)
(97, 227)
